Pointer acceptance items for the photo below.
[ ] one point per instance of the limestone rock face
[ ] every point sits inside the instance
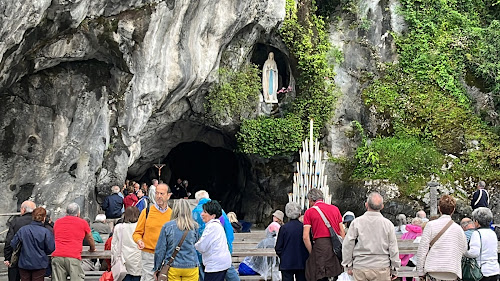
(88, 87)
(366, 43)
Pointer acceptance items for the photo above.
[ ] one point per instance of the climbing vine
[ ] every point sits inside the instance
(304, 34)
(236, 95)
(424, 100)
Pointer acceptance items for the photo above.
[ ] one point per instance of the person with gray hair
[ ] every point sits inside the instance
(290, 246)
(26, 209)
(370, 249)
(152, 191)
(113, 206)
(69, 232)
(401, 228)
(480, 198)
(322, 262)
(483, 244)
(422, 215)
(202, 197)
(101, 226)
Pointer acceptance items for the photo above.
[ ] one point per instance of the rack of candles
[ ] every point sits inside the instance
(310, 172)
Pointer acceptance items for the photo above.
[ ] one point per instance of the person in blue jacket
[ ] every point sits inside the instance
(37, 243)
(143, 200)
(202, 197)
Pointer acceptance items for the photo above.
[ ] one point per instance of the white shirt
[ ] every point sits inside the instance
(152, 194)
(213, 247)
(485, 251)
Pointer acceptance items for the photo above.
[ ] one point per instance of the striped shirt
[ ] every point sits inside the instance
(444, 258)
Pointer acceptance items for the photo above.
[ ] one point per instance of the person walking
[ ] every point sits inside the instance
(442, 245)
(185, 264)
(37, 244)
(484, 245)
(149, 227)
(27, 208)
(290, 246)
(480, 198)
(123, 245)
(203, 197)
(69, 232)
(322, 262)
(113, 206)
(370, 248)
(143, 202)
(131, 198)
(213, 243)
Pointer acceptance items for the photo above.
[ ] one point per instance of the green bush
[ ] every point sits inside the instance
(406, 161)
(304, 34)
(423, 98)
(269, 137)
(236, 95)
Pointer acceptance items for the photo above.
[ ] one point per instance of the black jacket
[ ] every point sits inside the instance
(290, 247)
(14, 227)
(112, 206)
(480, 198)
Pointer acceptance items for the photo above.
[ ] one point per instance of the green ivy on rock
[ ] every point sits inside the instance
(304, 34)
(236, 94)
(424, 100)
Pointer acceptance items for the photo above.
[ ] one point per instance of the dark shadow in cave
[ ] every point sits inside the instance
(213, 169)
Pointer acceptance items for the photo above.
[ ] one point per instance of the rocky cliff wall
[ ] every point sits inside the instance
(90, 88)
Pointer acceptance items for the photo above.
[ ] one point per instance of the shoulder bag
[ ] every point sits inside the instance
(441, 233)
(471, 271)
(163, 274)
(16, 254)
(336, 243)
(118, 265)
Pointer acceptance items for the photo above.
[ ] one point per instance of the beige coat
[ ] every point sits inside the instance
(123, 235)
(376, 245)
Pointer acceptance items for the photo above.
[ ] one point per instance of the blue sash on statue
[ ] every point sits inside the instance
(271, 73)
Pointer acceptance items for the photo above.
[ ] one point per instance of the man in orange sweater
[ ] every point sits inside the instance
(148, 229)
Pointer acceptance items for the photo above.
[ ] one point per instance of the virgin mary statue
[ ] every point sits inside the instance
(270, 79)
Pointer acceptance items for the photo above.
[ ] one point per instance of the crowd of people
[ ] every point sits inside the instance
(144, 233)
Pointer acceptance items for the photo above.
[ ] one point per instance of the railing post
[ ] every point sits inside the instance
(433, 197)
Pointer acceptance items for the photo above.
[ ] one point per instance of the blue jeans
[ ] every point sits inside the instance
(129, 277)
(231, 274)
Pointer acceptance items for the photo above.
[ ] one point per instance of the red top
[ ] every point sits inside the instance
(130, 200)
(313, 218)
(69, 232)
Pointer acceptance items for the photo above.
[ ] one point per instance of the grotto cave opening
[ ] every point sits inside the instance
(214, 169)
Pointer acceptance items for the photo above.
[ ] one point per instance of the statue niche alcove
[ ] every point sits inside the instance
(259, 56)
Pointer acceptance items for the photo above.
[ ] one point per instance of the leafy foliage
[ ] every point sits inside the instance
(304, 34)
(424, 100)
(405, 160)
(268, 137)
(236, 94)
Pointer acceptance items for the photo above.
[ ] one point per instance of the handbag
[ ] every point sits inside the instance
(16, 254)
(163, 273)
(471, 271)
(336, 243)
(106, 276)
(118, 268)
